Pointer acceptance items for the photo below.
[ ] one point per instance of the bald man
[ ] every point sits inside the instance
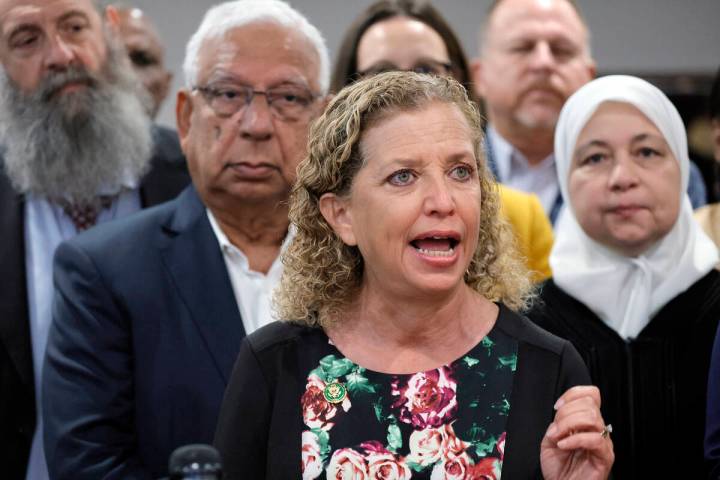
(146, 53)
(534, 54)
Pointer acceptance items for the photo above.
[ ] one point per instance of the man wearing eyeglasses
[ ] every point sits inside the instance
(150, 311)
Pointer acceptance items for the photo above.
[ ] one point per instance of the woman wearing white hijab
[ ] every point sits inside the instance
(634, 287)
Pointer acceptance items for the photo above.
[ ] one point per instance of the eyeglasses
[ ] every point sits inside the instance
(428, 66)
(288, 102)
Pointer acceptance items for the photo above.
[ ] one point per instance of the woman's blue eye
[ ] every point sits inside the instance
(461, 172)
(402, 177)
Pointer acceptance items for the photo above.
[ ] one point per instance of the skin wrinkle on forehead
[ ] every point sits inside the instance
(32, 13)
(452, 132)
(19, 11)
(565, 20)
(219, 54)
(220, 73)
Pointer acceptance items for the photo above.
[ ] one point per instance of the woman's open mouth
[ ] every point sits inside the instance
(435, 245)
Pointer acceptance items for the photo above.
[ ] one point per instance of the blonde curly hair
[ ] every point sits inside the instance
(322, 275)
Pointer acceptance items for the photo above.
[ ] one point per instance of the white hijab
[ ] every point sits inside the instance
(626, 292)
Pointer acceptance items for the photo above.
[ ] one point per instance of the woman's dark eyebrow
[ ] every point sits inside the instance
(591, 143)
(459, 156)
(647, 136)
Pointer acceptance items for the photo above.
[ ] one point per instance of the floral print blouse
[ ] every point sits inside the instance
(447, 423)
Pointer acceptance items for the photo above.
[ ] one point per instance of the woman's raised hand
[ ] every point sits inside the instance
(577, 444)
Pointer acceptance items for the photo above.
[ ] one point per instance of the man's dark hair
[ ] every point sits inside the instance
(346, 70)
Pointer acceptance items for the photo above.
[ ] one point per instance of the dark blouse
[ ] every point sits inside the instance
(273, 423)
(654, 387)
(446, 420)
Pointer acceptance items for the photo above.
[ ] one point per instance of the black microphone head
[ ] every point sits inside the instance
(196, 461)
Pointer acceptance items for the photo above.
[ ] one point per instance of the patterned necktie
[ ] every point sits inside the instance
(85, 215)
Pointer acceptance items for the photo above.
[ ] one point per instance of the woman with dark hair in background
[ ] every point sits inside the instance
(412, 35)
(352, 64)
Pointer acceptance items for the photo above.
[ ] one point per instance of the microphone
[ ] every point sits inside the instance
(195, 462)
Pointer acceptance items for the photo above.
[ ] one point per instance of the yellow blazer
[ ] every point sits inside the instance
(532, 229)
(709, 219)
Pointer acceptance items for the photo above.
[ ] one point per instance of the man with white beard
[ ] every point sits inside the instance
(77, 150)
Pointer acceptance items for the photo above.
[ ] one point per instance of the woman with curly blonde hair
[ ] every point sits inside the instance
(412, 35)
(402, 354)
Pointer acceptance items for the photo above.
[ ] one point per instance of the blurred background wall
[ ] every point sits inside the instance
(675, 43)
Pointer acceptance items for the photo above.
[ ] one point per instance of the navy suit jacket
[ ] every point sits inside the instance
(166, 178)
(145, 333)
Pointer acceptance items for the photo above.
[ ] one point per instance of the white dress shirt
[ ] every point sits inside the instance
(253, 290)
(515, 171)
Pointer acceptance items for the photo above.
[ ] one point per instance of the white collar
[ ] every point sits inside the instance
(508, 158)
(227, 245)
